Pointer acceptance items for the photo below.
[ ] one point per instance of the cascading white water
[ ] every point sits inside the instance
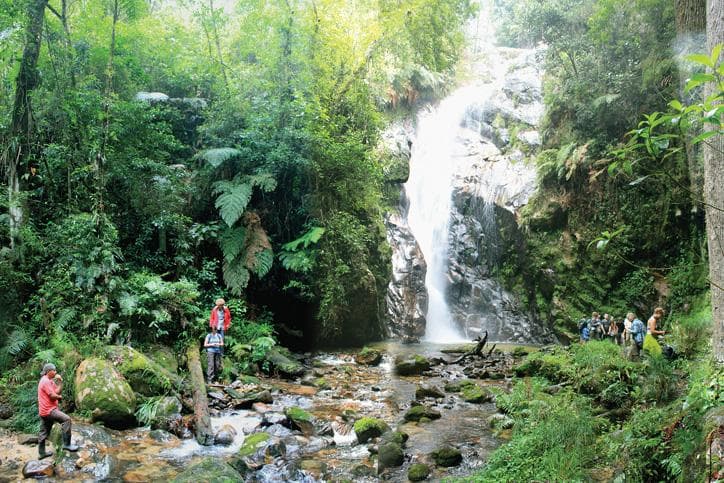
(432, 164)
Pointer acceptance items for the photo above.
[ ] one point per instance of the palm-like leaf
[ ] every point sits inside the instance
(233, 200)
(217, 156)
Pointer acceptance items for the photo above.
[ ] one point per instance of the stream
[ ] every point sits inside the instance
(330, 453)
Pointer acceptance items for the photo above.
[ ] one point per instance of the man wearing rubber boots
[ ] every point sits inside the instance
(48, 397)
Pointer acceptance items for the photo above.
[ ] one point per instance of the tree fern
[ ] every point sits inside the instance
(65, 316)
(232, 242)
(236, 277)
(258, 256)
(217, 156)
(263, 181)
(313, 235)
(233, 200)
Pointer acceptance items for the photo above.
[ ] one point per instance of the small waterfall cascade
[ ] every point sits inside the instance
(470, 171)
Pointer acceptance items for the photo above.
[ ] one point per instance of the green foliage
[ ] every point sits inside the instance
(216, 156)
(148, 409)
(692, 332)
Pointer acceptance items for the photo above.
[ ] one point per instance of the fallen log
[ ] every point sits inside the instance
(475, 351)
(202, 421)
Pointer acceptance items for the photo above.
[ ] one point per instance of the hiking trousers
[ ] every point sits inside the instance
(46, 424)
(213, 366)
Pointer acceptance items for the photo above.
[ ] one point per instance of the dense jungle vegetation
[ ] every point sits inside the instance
(158, 155)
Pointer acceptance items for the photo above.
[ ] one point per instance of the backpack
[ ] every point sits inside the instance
(581, 324)
(637, 329)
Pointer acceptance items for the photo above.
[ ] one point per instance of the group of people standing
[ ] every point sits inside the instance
(623, 331)
(50, 384)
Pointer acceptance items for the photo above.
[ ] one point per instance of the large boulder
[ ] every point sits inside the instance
(390, 455)
(104, 393)
(447, 456)
(165, 356)
(284, 365)
(209, 470)
(368, 357)
(146, 376)
(38, 469)
(301, 420)
(421, 413)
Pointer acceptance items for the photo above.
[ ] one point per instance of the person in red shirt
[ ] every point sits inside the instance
(48, 397)
(220, 317)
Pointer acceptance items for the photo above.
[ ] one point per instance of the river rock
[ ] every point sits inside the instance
(416, 413)
(28, 439)
(476, 394)
(457, 386)
(413, 365)
(225, 435)
(447, 456)
(247, 400)
(301, 420)
(167, 414)
(368, 357)
(398, 437)
(418, 472)
(283, 365)
(314, 468)
(38, 469)
(368, 428)
(424, 391)
(389, 455)
(272, 417)
(104, 393)
(164, 356)
(146, 376)
(210, 469)
(406, 298)
(6, 411)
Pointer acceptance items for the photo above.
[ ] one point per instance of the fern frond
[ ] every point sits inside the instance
(64, 318)
(263, 181)
(262, 262)
(111, 329)
(17, 341)
(313, 235)
(217, 156)
(233, 200)
(232, 242)
(236, 277)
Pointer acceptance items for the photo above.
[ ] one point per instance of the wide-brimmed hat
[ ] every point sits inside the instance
(220, 302)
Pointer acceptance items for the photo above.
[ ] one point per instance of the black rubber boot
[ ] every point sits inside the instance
(42, 454)
(67, 445)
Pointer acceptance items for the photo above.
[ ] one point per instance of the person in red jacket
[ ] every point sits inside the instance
(220, 317)
(48, 397)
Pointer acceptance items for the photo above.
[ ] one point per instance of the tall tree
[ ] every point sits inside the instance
(713, 192)
(18, 145)
(691, 35)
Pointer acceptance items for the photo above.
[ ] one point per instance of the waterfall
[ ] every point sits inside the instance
(471, 169)
(432, 165)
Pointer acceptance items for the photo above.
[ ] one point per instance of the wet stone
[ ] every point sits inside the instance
(421, 413)
(225, 436)
(418, 472)
(424, 391)
(161, 436)
(389, 456)
(38, 469)
(271, 418)
(27, 439)
(447, 456)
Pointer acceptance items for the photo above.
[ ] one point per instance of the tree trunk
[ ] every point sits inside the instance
(714, 194)
(202, 422)
(690, 39)
(21, 125)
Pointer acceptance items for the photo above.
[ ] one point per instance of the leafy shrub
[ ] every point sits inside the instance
(692, 333)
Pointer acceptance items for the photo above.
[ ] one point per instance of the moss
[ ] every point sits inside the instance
(411, 366)
(390, 455)
(458, 386)
(418, 472)
(103, 392)
(398, 437)
(145, 376)
(298, 414)
(417, 413)
(210, 470)
(368, 428)
(252, 443)
(447, 456)
(321, 383)
(476, 394)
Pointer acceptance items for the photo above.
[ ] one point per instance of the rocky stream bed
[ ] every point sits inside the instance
(394, 413)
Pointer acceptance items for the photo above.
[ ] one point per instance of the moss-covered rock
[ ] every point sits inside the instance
(252, 443)
(411, 365)
(418, 472)
(104, 393)
(368, 428)
(300, 419)
(167, 411)
(476, 394)
(164, 356)
(457, 386)
(447, 456)
(209, 470)
(283, 364)
(389, 455)
(368, 357)
(417, 413)
(146, 376)
(398, 437)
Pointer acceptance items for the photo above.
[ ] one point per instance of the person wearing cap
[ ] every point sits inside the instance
(48, 397)
(220, 318)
